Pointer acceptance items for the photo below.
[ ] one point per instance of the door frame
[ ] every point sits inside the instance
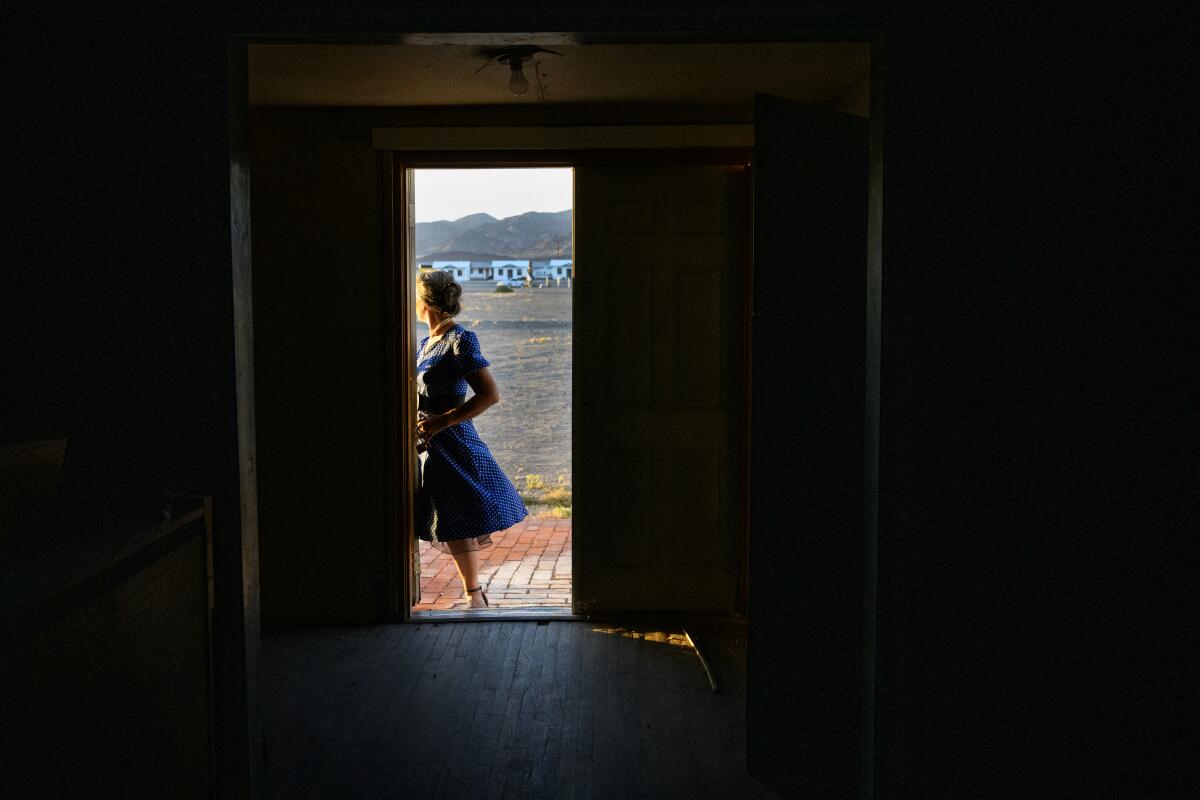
(400, 473)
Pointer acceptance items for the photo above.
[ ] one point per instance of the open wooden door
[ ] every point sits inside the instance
(804, 658)
(659, 316)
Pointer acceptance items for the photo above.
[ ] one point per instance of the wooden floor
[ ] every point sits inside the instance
(558, 709)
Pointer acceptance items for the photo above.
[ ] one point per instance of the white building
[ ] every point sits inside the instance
(552, 269)
(461, 270)
(480, 271)
(503, 270)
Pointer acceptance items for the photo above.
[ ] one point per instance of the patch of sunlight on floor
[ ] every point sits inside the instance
(677, 639)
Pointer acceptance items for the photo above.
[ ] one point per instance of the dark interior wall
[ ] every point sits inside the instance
(116, 292)
(1037, 476)
(116, 249)
(319, 367)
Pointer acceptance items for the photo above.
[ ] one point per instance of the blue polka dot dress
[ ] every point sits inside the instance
(463, 496)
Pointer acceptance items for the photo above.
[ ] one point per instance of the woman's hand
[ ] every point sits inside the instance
(432, 425)
(486, 394)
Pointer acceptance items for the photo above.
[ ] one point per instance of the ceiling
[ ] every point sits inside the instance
(445, 74)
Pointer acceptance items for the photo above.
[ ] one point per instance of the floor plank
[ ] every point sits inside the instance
(499, 709)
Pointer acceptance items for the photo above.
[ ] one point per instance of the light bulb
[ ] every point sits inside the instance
(518, 83)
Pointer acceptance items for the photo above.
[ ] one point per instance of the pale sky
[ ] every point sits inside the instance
(455, 193)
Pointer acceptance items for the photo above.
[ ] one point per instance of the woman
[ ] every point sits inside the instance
(464, 496)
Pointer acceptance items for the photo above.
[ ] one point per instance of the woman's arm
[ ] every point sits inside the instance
(487, 394)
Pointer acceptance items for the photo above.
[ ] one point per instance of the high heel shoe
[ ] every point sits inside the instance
(482, 593)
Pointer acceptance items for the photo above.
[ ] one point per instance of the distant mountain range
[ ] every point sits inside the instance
(482, 237)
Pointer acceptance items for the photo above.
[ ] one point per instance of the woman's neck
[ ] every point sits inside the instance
(440, 327)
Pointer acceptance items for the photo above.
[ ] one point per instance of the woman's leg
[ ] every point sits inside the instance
(467, 562)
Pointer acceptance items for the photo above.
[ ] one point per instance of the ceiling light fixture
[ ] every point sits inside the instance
(518, 84)
(514, 58)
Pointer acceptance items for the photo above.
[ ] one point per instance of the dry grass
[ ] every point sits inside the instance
(544, 500)
(559, 495)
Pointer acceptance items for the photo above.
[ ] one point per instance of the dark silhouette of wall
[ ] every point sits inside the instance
(320, 365)
(1037, 482)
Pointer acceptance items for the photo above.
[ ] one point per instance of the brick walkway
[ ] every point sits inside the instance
(527, 565)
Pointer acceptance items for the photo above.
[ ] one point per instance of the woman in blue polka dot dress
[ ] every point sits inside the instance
(463, 496)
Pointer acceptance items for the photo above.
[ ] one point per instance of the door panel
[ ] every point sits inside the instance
(696, 497)
(659, 289)
(628, 363)
(808, 355)
(629, 475)
(697, 374)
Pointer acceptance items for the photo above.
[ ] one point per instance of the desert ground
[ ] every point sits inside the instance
(526, 335)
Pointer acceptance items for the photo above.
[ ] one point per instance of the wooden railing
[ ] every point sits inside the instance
(107, 687)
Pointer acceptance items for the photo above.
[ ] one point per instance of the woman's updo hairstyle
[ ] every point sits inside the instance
(439, 290)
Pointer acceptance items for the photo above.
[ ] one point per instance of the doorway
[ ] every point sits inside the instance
(781, 621)
(327, 327)
(658, 390)
(504, 235)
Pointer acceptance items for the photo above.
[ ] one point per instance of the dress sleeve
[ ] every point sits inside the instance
(467, 357)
